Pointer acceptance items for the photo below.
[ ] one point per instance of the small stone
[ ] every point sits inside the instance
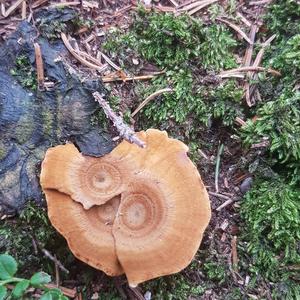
(246, 185)
(135, 61)
(147, 295)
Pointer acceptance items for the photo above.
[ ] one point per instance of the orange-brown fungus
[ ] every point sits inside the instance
(136, 211)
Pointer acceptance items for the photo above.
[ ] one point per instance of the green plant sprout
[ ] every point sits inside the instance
(8, 269)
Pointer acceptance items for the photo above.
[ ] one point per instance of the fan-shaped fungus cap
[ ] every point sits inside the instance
(157, 226)
(88, 232)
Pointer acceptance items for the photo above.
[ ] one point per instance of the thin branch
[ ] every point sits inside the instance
(149, 98)
(11, 9)
(110, 62)
(131, 78)
(234, 253)
(250, 68)
(226, 203)
(39, 66)
(218, 160)
(124, 130)
(219, 195)
(54, 259)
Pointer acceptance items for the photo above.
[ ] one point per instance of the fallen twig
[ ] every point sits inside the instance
(60, 4)
(53, 258)
(24, 8)
(219, 195)
(244, 19)
(78, 57)
(240, 121)
(226, 203)
(124, 130)
(234, 254)
(250, 68)
(11, 9)
(237, 29)
(39, 66)
(217, 170)
(131, 78)
(110, 62)
(149, 98)
(196, 9)
(174, 3)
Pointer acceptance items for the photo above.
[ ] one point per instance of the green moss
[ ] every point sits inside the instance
(19, 236)
(184, 47)
(47, 120)
(24, 129)
(24, 72)
(3, 152)
(271, 229)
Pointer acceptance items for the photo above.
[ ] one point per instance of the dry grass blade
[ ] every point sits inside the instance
(174, 3)
(261, 52)
(39, 65)
(244, 19)
(149, 98)
(11, 9)
(219, 195)
(110, 62)
(24, 8)
(78, 57)
(250, 68)
(192, 5)
(130, 78)
(247, 61)
(261, 2)
(236, 28)
(60, 4)
(196, 9)
(38, 3)
(240, 121)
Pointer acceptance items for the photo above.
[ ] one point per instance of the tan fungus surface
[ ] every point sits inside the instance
(154, 222)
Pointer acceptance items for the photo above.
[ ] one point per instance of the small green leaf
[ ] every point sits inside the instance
(20, 288)
(40, 278)
(8, 266)
(54, 294)
(3, 292)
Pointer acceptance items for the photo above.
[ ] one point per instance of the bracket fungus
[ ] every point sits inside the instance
(136, 211)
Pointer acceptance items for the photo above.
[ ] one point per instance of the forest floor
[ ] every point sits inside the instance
(223, 77)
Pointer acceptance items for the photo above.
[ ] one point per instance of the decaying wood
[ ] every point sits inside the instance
(39, 66)
(149, 98)
(124, 130)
